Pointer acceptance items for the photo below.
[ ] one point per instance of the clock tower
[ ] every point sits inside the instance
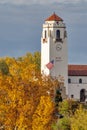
(54, 57)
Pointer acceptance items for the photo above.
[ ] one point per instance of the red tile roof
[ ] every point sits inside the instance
(54, 17)
(77, 70)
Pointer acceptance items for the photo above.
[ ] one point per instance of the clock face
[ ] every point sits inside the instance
(58, 47)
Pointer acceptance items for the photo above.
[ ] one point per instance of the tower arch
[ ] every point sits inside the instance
(57, 34)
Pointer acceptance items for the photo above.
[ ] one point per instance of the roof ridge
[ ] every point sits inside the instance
(54, 17)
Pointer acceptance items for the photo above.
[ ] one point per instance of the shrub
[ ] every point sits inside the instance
(62, 124)
(68, 107)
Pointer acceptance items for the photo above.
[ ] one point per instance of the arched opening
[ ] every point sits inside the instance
(58, 34)
(82, 95)
(80, 81)
(72, 96)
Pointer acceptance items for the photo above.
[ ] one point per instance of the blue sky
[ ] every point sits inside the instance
(21, 26)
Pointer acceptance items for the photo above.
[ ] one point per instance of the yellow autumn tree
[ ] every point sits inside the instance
(43, 115)
(22, 90)
(79, 119)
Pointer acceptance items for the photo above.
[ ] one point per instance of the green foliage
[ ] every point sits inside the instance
(37, 59)
(68, 107)
(58, 97)
(79, 119)
(62, 124)
(4, 69)
(19, 59)
(54, 126)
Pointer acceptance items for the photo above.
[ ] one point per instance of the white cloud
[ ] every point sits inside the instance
(39, 1)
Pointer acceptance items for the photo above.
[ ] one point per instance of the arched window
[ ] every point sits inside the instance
(58, 34)
(69, 80)
(45, 34)
(82, 95)
(80, 81)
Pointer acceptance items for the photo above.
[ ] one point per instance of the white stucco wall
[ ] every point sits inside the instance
(60, 69)
(49, 51)
(75, 87)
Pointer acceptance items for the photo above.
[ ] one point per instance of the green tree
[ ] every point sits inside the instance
(4, 69)
(58, 97)
(68, 107)
(37, 60)
(79, 119)
(62, 124)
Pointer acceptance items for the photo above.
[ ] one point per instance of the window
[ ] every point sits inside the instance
(69, 80)
(80, 81)
(82, 95)
(45, 34)
(57, 22)
(72, 96)
(58, 34)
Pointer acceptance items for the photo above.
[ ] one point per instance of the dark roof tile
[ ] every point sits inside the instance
(77, 70)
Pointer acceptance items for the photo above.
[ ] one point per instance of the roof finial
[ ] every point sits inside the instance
(54, 12)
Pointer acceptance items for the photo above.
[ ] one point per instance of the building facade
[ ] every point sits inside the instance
(54, 58)
(77, 82)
